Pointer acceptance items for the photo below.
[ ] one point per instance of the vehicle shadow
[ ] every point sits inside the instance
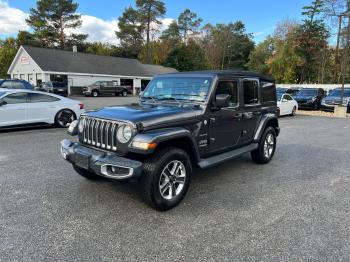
(25, 128)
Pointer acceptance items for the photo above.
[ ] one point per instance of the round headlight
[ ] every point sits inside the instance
(124, 134)
(81, 125)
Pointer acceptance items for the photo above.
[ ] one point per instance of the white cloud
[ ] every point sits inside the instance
(11, 19)
(99, 30)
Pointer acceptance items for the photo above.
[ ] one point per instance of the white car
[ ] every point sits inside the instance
(287, 105)
(26, 107)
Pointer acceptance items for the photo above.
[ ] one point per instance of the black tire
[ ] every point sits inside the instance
(94, 93)
(153, 173)
(259, 155)
(294, 111)
(86, 174)
(124, 93)
(64, 117)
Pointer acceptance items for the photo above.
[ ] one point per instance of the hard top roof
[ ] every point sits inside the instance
(238, 73)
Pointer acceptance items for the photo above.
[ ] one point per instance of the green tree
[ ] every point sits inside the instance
(150, 11)
(312, 36)
(99, 48)
(130, 33)
(171, 34)
(259, 57)
(188, 22)
(51, 19)
(187, 57)
(8, 50)
(227, 46)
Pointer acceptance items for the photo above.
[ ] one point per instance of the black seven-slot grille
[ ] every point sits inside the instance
(100, 133)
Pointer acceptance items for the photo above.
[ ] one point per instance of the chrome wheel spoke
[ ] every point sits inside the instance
(172, 179)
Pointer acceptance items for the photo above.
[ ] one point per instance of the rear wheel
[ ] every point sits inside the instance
(166, 178)
(85, 173)
(64, 118)
(267, 146)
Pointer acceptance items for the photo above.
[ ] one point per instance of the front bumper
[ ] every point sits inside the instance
(99, 162)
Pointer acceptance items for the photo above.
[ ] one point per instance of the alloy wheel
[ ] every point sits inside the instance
(172, 179)
(65, 117)
(269, 145)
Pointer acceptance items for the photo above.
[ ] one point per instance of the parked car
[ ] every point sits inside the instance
(27, 107)
(15, 84)
(293, 91)
(58, 88)
(310, 98)
(106, 88)
(334, 99)
(287, 105)
(183, 120)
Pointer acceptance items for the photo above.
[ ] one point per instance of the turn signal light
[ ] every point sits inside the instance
(81, 106)
(143, 145)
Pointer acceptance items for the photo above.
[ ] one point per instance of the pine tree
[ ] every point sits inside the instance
(52, 18)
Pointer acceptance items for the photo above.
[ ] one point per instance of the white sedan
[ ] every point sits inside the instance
(287, 105)
(26, 107)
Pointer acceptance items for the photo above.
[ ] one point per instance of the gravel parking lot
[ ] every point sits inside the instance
(294, 209)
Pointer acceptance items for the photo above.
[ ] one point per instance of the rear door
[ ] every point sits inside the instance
(14, 112)
(42, 108)
(251, 100)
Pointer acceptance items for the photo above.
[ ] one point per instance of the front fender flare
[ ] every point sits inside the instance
(163, 135)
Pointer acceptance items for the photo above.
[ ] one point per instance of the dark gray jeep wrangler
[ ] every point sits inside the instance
(182, 121)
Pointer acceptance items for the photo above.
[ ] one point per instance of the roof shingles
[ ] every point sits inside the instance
(54, 60)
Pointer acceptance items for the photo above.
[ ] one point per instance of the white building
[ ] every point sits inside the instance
(38, 65)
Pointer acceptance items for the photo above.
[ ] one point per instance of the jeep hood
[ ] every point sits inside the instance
(147, 115)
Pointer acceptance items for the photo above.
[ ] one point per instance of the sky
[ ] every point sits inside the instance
(100, 17)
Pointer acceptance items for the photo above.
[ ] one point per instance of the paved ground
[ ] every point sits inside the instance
(294, 209)
(97, 102)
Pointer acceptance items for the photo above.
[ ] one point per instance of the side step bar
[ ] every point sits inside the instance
(215, 160)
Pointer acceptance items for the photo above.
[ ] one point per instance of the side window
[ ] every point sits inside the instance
(103, 83)
(6, 84)
(39, 98)
(17, 85)
(229, 88)
(17, 98)
(288, 97)
(268, 92)
(251, 92)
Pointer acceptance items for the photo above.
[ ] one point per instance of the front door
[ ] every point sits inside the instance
(14, 111)
(225, 124)
(252, 109)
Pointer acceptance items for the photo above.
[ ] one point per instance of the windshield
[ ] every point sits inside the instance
(96, 83)
(307, 92)
(279, 96)
(178, 88)
(337, 93)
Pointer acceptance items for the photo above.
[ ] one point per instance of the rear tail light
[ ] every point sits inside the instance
(81, 106)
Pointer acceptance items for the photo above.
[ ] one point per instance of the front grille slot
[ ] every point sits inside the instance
(100, 133)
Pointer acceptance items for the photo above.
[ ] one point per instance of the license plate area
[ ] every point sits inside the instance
(82, 160)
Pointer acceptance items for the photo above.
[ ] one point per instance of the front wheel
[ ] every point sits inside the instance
(94, 93)
(294, 111)
(64, 118)
(124, 93)
(166, 178)
(267, 147)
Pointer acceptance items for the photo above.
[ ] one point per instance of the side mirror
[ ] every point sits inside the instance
(222, 100)
(3, 103)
